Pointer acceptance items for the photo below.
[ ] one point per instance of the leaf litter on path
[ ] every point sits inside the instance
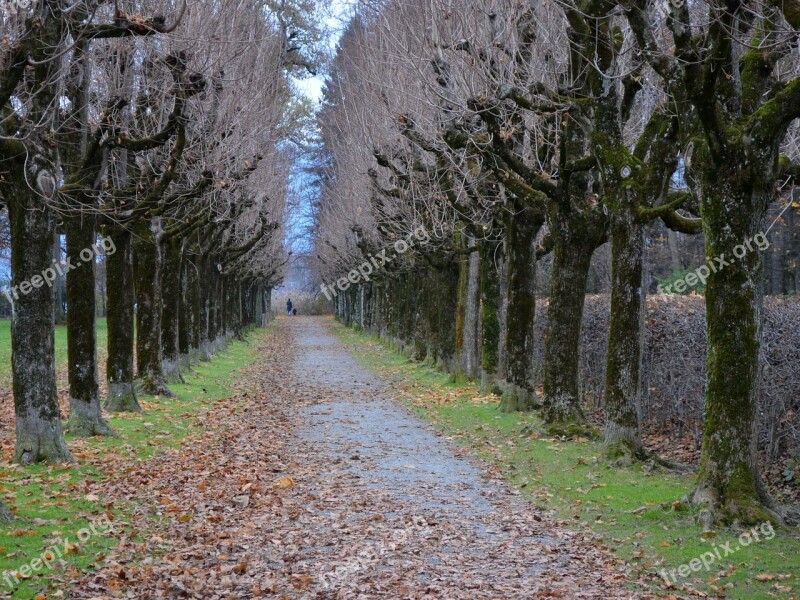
(319, 485)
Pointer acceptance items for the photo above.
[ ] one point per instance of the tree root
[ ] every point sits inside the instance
(517, 399)
(622, 453)
(5, 515)
(86, 426)
(151, 387)
(736, 510)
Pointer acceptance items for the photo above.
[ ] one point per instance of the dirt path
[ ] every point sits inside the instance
(413, 517)
(312, 482)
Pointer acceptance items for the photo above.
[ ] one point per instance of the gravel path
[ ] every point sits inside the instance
(404, 516)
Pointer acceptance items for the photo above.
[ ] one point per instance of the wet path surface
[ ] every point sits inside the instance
(408, 516)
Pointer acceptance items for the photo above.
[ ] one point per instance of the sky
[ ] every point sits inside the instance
(333, 18)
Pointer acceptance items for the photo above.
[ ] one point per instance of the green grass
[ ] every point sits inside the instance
(61, 350)
(52, 504)
(630, 511)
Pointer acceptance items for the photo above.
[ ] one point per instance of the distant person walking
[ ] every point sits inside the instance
(289, 307)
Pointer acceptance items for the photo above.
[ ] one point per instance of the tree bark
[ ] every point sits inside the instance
(467, 322)
(5, 515)
(85, 415)
(729, 484)
(186, 317)
(59, 285)
(121, 301)
(147, 273)
(623, 366)
(575, 237)
(521, 231)
(40, 437)
(490, 315)
(171, 294)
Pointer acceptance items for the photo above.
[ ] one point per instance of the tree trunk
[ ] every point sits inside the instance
(5, 514)
(147, 272)
(729, 483)
(85, 416)
(121, 301)
(466, 334)
(187, 316)
(623, 363)
(59, 285)
(574, 241)
(40, 437)
(521, 231)
(205, 287)
(490, 315)
(171, 293)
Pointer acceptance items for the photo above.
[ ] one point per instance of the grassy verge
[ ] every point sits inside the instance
(60, 346)
(635, 512)
(52, 504)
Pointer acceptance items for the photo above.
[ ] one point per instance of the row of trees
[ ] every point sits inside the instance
(162, 128)
(516, 130)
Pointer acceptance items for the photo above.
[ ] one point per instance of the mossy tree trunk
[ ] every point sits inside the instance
(29, 160)
(634, 182)
(120, 319)
(186, 317)
(466, 322)
(171, 294)
(446, 329)
(205, 287)
(743, 112)
(575, 238)
(85, 415)
(221, 312)
(729, 483)
(622, 432)
(40, 437)
(521, 230)
(147, 272)
(421, 332)
(490, 314)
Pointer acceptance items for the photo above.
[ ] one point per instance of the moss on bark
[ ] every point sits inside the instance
(490, 318)
(623, 367)
(729, 486)
(575, 239)
(521, 228)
